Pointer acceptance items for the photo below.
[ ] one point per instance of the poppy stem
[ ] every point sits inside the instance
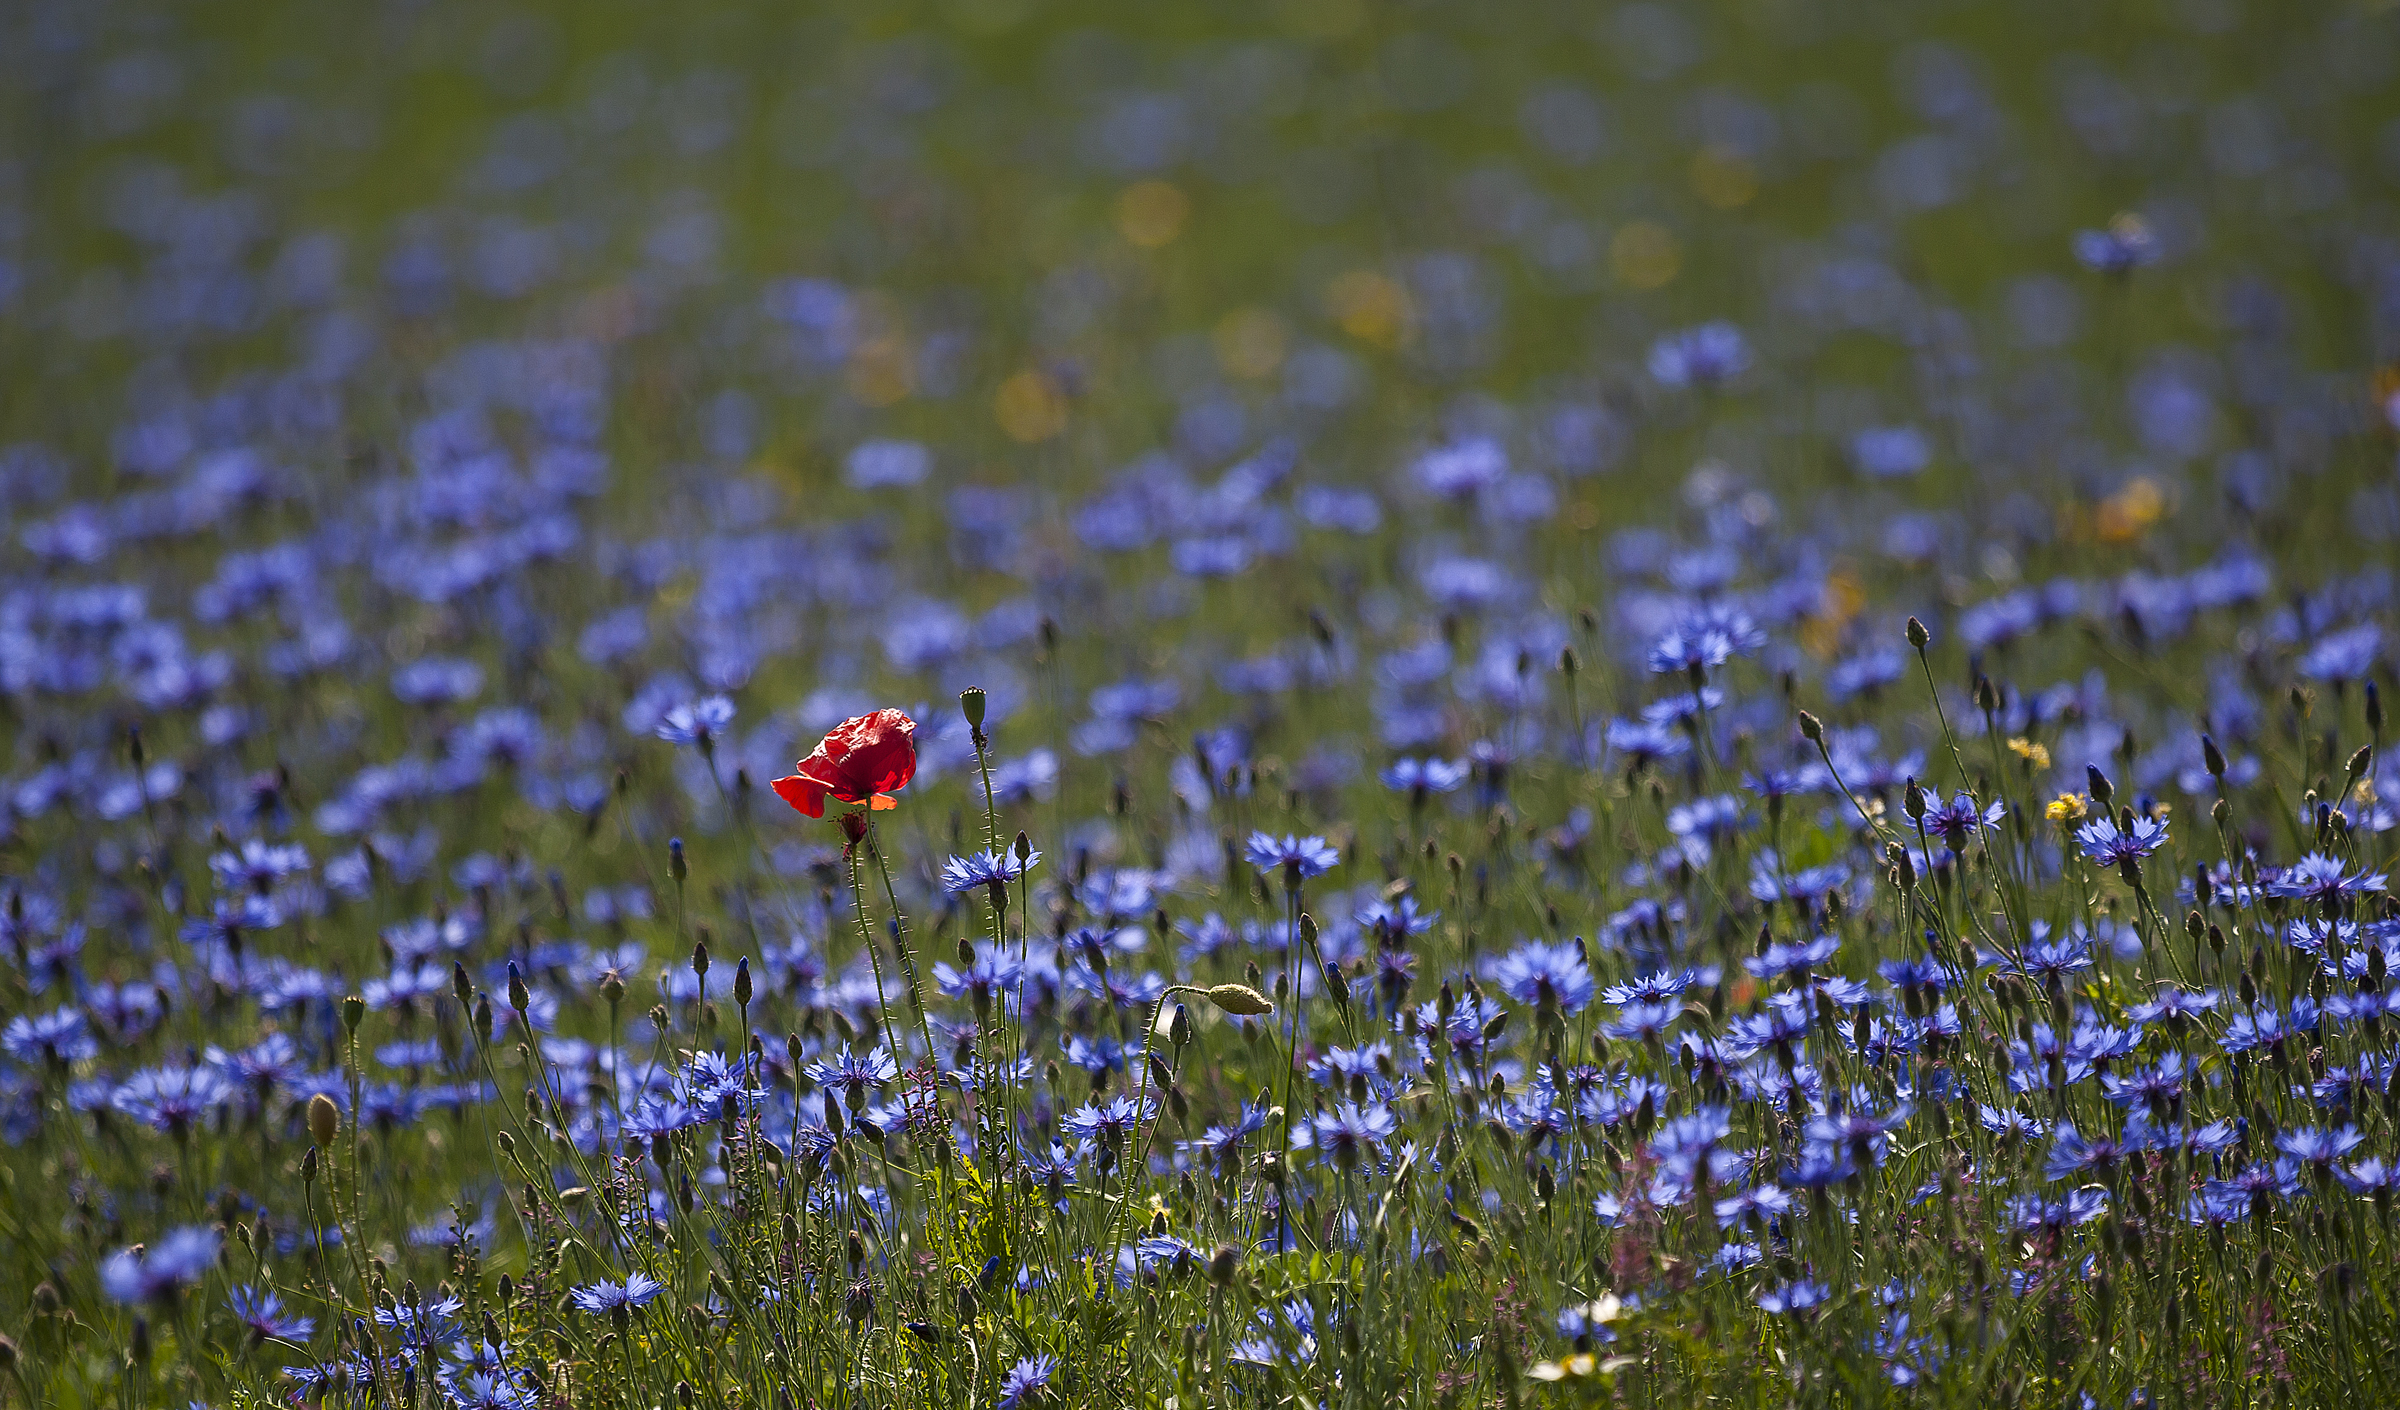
(908, 962)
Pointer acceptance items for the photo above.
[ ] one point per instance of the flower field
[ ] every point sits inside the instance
(1326, 703)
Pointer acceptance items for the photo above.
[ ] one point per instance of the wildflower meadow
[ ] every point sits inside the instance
(1330, 704)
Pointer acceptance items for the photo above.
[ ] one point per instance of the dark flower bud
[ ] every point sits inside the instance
(519, 998)
(1987, 695)
(1811, 729)
(1917, 635)
(854, 828)
(483, 1016)
(2360, 762)
(700, 958)
(461, 988)
(2096, 783)
(308, 1166)
(2219, 811)
(675, 863)
(1024, 848)
(2213, 757)
(1179, 1027)
(741, 982)
(612, 987)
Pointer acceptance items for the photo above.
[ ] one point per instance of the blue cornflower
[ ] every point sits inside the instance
(2319, 1147)
(1643, 1023)
(2073, 1154)
(1028, 1382)
(1419, 777)
(1395, 921)
(2125, 246)
(1297, 857)
(58, 1038)
(606, 1298)
(1644, 742)
(1104, 1126)
(1958, 820)
(1690, 650)
(2172, 1005)
(720, 1085)
(1793, 1298)
(696, 722)
(182, 1258)
(2317, 877)
(171, 1099)
(2373, 1176)
(855, 1076)
(2347, 655)
(264, 1314)
(2081, 1206)
(1654, 988)
(1793, 956)
(1551, 977)
(1707, 356)
(1222, 1145)
(986, 869)
(2107, 845)
(2158, 1088)
(1351, 1131)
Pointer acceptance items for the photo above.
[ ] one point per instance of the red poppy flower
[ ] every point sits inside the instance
(864, 758)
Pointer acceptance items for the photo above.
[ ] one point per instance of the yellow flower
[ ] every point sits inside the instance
(2035, 756)
(2067, 808)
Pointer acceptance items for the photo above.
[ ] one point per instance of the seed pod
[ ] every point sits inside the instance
(971, 703)
(354, 1010)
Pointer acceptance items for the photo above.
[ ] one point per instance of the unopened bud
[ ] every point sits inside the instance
(1917, 635)
(1811, 729)
(676, 867)
(1240, 1000)
(324, 1119)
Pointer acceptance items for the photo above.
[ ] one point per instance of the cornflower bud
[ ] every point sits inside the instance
(1811, 729)
(675, 863)
(741, 982)
(2213, 757)
(2096, 783)
(700, 958)
(1917, 635)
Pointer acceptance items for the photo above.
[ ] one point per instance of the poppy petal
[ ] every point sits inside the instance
(882, 803)
(805, 794)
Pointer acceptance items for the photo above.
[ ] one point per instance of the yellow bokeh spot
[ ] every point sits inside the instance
(1645, 255)
(1152, 213)
(1030, 407)
(2036, 757)
(1723, 177)
(2067, 808)
(2129, 513)
(1370, 307)
(1250, 342)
